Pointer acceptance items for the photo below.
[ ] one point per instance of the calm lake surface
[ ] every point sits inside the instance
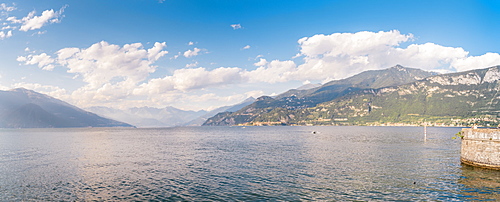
(239, 164)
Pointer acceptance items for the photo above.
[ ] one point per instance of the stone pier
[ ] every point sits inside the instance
(481, 147)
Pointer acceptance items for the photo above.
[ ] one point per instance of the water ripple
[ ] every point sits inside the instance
(239, 164)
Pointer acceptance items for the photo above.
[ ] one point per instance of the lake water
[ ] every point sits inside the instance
(239, 164)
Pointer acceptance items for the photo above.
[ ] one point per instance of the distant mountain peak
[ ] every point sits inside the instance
(24, 90)
(262, 98)
(399, 67)
(249, 99)
(20, 89)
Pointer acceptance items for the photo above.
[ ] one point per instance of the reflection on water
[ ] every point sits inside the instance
(480, 183)
(236, 163)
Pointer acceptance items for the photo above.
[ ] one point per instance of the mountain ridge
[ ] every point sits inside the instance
(148, 116)
(300, 99)
(151, 117)
(455, 99)
(231, 108)
(23, 108)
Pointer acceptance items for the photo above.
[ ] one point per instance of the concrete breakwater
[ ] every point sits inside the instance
(481, 147)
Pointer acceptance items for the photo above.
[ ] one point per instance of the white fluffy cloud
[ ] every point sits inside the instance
(122, 74)
(359, 43)
(194, 64)
(4, 7)
(189, 79)
(192, 53)
(8, 27)
(262, 62)
(246, 47)
(32, 22)
(110, 71)
(199, 78)
(341, 55)
(473, 62)
(176, 56)
(27, 23)
(43, 61)
(236, 26)
(272, 72)
(104, 63)
(4, 35)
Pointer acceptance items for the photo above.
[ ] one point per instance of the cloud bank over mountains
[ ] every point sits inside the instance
(114, 73)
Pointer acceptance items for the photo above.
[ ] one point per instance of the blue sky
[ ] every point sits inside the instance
(202, 54)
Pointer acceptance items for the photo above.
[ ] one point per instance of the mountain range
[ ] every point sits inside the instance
(232, 108)
(22, 108)
(296, 99)
(145, 117)
(394, 96)
(148, 116)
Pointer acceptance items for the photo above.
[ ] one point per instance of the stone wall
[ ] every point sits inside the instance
(481, 147)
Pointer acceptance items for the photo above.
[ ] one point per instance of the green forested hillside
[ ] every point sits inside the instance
(301, 99)
(458, 99)
(453, 99)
